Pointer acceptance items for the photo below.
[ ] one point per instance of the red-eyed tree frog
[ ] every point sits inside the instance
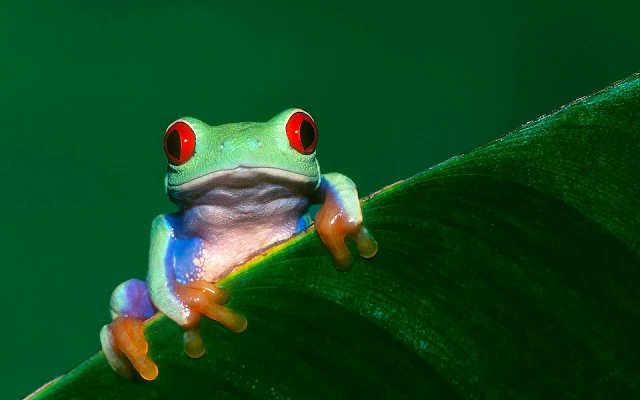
(240, 188)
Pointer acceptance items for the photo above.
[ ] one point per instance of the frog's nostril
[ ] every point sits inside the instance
(223, 145)
(255, 143)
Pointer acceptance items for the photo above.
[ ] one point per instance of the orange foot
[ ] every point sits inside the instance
(333, 223)
(126, 348)
(204, 298)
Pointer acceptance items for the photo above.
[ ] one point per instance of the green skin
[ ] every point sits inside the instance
(244, 189)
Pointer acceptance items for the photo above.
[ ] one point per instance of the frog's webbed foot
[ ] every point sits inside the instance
(204, 298)
(123, 341)
(334, 223)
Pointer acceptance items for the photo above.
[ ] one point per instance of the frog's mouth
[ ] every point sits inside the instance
(242, 178)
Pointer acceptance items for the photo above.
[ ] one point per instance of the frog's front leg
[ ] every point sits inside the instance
(340, 216)
(184, 303)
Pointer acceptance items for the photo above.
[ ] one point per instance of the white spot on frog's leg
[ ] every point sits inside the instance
(200, 260)
(202, 275)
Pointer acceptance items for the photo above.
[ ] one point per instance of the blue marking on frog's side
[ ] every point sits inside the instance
(303, 222)
(184, 252)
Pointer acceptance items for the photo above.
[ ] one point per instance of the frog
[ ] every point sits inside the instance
(240, 189)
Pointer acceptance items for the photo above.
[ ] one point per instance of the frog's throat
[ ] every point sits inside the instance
(240, 177)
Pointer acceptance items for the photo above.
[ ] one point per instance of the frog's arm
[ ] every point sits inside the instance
(184, 303)
(161, 275)
(340, 216)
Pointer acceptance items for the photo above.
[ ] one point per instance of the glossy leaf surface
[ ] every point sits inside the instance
(512, 271)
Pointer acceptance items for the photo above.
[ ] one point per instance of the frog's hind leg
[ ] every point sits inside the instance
(123, 341)
(303, 222)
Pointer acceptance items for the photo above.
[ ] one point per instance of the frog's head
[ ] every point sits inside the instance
(240, 155)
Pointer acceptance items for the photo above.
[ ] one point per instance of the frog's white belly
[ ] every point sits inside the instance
(218, 256)
(241, 224)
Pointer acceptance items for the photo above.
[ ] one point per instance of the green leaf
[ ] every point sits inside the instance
(508, 272)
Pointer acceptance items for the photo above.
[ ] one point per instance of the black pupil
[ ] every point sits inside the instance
(173, 144)
(307, 134)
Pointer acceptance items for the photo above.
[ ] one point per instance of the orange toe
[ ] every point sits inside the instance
(193, 343)
(145, 367)
(231, 320)
(366, 244)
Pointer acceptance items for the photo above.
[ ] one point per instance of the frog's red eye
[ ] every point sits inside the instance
(302, 132)
(179, 143)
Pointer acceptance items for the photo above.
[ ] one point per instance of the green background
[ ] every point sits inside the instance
(89, 87)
